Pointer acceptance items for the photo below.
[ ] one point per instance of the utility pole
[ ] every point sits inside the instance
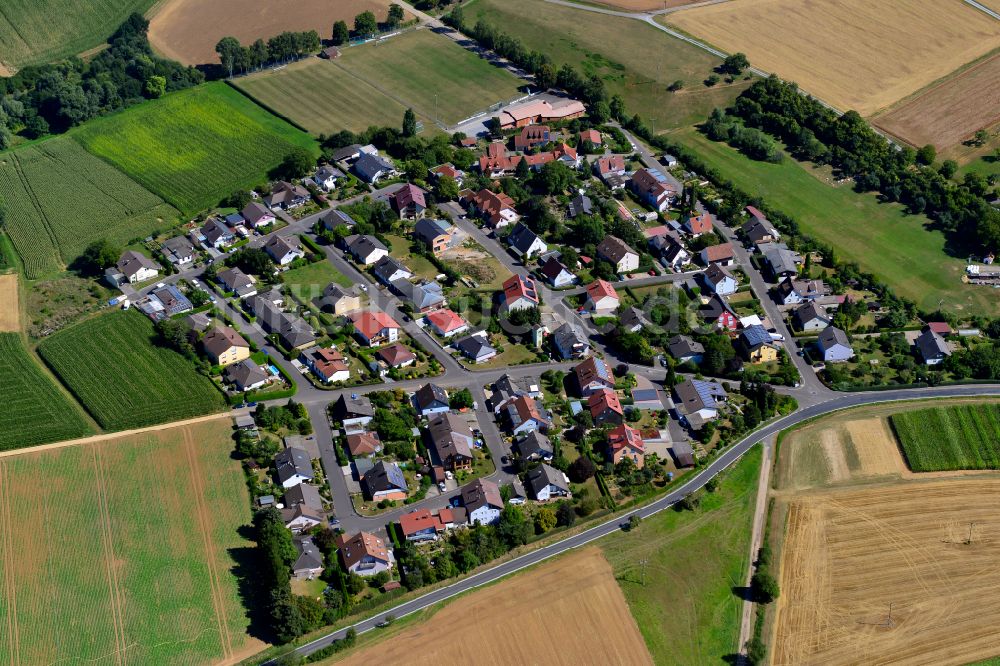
(643, 575)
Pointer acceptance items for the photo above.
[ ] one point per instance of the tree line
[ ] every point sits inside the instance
(52, 98)
(279, 49)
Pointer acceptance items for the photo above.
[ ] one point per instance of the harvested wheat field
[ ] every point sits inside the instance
(853, 54)
(949, 112)
(849, 554)
(645, 5)
(188, 30)
(10, 307)
(123, 550)
(570, 611)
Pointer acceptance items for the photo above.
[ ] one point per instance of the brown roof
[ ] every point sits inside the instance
(720, 252)
(353, 549)
(396, 354)
(363, 443)
(221, 338)
(418, 521)
(602, 400)
(614, 249)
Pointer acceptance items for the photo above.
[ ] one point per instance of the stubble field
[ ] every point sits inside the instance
(854, 54)
(125, 554)
(188, 30)
(10, 304)
(569, 611)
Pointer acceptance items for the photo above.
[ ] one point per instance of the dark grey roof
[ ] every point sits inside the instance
(697, 394)
(368, 166)
(347, 407)
(931, 345)
(580, 205)
(521, 238)
(474, 346)
(387, 266)
(293, 461)
(832, 336)
(681, 346)
(305, 494)
(245, 373)
(809, 311)
(633, 317)
(543, 476)
(450, 436)
(427, 229)
(384, 476)
(421, 296)
(364, 245)
(534, 444)
(336, 218)
(431, 395)
(716, 274)
(755, 336)
(309, 557)
(566, 337)
(346, 153)
(481, 493)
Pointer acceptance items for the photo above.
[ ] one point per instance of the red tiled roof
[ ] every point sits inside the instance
(363, 443)
(599, 289)
(370, 323)
(592, 136)
(408, 194)
(719, 252)
(328, 361)
(446, 320)
(610, 163)
(395, 354)
(418, 521)
(699, 224)
(602, 400)
(625, 436)
(353, 549)
(519, 287)
(939, 327)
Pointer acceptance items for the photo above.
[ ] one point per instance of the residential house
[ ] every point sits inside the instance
(602, 299)
(329, 365)
(335, 218)
(256, 215)
(696, 225)
(719, 313)
(238, 282)
(698, 400)
(294, 467)
(618, 254)
(284, 250)
(366, 250)
(652, 188)
(396, 356)
(786, 293)
(306, 496)
(495, 162)
(309, 562)
(685, 349)
(300, 518)
(453, 517)
(592, 375)
(420, 526)
(580, 205)
(718, 280)
(811, 317)
(373, 168)
(482, 501)
(932, 347)
(408, 201)
(353, 412)
(133, 267)
(496, 208)
(336, 300)
(605, 407)
(834, 346)
(384, 481)
(506, 388)
(546, 483)
(178, 250)
(215, 234)
(448, 170)
(626, 442)
(286, 196)
(423, 297)
(570, 343)
(431, 399)
(524, 242)
(811, 290)
(246, 375)
(374, 328)
(531, 136)
(633, 319)
(476, 347)
(519, 293)
(388, 269)
(326, 177)
(672, 252)
(450, 441)
(364, 554)
(437, 235)
(756, 345)
(556, 273)
(165, 302)
(535, 446)
(225, 346)
(364, 443)
(647, 399)
(683, 453)
(446, 323)
(940, 327)
(721, 254)
(609, 165)
(292, 331)
(198, 321)
(347, 153)
(758, 229)
(523, 414)
(591, 135)
(781, 261)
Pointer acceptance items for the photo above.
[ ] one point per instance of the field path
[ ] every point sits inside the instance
(205, 522)
(6, 550)
(117, 596)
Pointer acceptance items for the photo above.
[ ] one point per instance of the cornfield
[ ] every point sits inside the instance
(950, 438)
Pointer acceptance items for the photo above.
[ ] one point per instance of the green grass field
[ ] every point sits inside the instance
(126, 550)
(124, 380)
(879, 237)
(309, 281)
(196, 146)
(949, 438)
(58, 198)
(37, 31)
(687, 611)
(35, 411)
(374, 83)
(633, 59)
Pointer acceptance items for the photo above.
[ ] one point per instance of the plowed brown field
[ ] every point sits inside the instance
(570, 611)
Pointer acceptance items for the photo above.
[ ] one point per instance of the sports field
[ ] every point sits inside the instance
(196, 146)
(374, 83)
(950, 438)
(879, 237)
(633, 59)
(59, 198)
(188, 30)
(125, 380)
(123, 550)
(569, 611)
(854, 54)
(37, 31)
(950, 112)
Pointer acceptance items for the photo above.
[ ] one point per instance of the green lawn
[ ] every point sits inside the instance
(950, 438)
(35, 410)
(113, 366)
(196, 146)
(38, 31)
(374, 83)
(309, 281)
(686, 610)
(879, 237)
(633, 59)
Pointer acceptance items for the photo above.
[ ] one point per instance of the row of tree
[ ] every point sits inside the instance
(366, 25)
(279, 49)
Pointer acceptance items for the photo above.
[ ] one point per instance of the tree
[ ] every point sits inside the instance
(735, 64)
(555, 177)
(341, 34)
(948, 168)
(675, 86)
(764, 585)
(927, 154)
(756, 652)
(545, 520)
(228, 49)
(295, 164)
(461, 399)
(447, 188)
(581, 469)
(633, 521)
(980, 137)
(513, 528)
(155, 87)
(409, 123)
(365, 24)
(565, 516)
(252, 260)
(617, 107)
(600, 112)
(355, 584)
(99, 255)
(396, 16)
